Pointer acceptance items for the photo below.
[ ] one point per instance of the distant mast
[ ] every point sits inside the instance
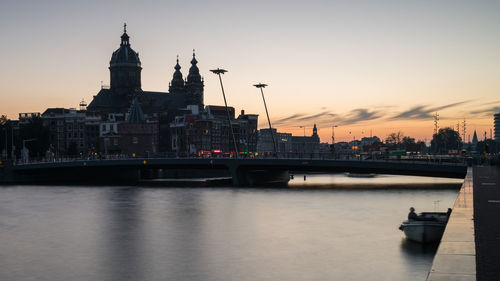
(436, 124)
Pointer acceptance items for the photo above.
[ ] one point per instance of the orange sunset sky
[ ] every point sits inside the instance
(365, 66)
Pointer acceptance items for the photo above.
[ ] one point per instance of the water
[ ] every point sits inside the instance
(131, 233)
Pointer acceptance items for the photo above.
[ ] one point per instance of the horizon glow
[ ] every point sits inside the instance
(355, 64)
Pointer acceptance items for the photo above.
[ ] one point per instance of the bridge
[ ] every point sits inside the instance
(244, 172)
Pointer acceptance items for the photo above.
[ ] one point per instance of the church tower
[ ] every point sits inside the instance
(177, 84)
(125, 68)
(194, 85)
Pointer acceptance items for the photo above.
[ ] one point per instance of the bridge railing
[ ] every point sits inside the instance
(430, 159)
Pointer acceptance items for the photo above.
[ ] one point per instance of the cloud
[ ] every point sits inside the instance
(486, 111)
(316, 116)
(305, 117)
(289, 118)
(424, 111)
(417, 112)
(491, 103)
(358, 115)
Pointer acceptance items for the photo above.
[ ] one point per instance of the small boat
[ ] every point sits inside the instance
(428, 228)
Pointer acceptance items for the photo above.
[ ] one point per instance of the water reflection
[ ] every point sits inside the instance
(374, 181)
(122, 235)
(415, 249)
(131, 233)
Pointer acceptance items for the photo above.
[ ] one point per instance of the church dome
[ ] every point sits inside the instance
(125, 55)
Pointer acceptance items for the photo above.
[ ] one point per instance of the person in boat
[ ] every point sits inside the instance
(412, 216)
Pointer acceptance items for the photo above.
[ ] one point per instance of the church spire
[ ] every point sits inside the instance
(194, 73)
(125, 37)
(315, 131)
(194, 85)
(177, 83)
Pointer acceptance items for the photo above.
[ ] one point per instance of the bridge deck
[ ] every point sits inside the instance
(241, 169)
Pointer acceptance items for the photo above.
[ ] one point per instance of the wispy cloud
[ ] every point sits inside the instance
(486, 111)
(289, 118)
(317, 116)
(358, 115)
(353, 116)
(424, 111)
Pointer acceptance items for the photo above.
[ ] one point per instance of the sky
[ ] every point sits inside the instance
(368, 67)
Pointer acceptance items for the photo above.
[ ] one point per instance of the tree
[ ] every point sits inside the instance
(4, 128)
(423, 147)
(394, 138)
(3, 120)
(34, 130)
(446, 139)
(408, 142)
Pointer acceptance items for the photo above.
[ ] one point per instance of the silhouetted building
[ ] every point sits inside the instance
(265, 143)
(306, 145)
(209, 130)
(125, 85)
(25, 118)
(66, 130)
(133, 136)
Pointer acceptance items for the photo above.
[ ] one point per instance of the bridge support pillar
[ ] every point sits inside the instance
(246, 176)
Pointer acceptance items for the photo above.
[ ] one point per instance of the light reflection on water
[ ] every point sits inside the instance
(133, 233)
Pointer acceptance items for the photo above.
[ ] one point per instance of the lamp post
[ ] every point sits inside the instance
(333, 140)
(219, 72)
(333, 133)
(261, 86)
(304, 129)
(304, 146)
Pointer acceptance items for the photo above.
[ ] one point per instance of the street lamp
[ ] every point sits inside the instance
(261, 86)
(333, 133)
(219, 72)
(304, 129)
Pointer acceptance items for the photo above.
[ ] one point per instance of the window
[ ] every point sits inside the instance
(135, 140)
(115, 141)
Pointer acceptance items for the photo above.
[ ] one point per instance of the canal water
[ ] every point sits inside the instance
(326, 228)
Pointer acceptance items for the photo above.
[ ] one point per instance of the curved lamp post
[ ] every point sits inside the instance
(261, 86)
(219, 72)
